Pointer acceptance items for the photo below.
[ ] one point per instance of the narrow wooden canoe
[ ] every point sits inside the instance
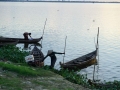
(8, 43)
(21, 40)
(81, 62)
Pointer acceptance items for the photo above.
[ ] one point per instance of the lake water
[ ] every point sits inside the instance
(78, 21)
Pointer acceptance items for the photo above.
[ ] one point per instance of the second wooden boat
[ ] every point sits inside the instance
(81, 62)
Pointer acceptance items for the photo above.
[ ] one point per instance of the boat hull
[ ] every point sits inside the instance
(8, 43)
(21, 40)
(81, 62)
(79, 65)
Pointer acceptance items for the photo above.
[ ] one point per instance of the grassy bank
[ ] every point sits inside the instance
(15, 72)
(19, 77)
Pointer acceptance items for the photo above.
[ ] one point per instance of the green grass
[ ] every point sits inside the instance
(26, 70)
(12, 53)
(40, 83)
(10, 83)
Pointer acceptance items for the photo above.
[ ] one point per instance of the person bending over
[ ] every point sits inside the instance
(51, 54)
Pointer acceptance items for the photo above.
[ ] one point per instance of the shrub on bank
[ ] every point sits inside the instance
(12, 53)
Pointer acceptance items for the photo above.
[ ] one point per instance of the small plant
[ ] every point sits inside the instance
(12, 53)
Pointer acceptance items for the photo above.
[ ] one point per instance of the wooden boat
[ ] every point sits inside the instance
(81, 62)
(21, 40)
(8, 43)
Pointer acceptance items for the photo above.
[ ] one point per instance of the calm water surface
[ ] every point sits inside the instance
(78, 21)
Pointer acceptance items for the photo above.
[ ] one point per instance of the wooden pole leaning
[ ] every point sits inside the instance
(64, 49)
(43, 30)
(97, 53)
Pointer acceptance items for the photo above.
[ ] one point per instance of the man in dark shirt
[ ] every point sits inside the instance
(51, 53)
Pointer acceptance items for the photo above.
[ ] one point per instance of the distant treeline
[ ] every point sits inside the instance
(63, 1)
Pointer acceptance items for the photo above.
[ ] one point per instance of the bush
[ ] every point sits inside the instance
(12, 53)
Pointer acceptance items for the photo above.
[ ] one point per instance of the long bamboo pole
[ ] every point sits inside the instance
(98, 48)
(43, 30)
(64, 49)
(97, 38)
(97, 54)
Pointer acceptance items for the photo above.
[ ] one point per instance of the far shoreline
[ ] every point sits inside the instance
(65, 1)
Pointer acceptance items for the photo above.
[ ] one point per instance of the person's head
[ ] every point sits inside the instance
(29, 33)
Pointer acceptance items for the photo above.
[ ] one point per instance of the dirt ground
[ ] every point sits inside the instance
(37, 83)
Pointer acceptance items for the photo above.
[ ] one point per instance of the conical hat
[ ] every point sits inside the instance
(50, 51)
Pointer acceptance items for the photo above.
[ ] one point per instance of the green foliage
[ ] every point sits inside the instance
(25, 70)
(82, 80)
(69, 75)
(12, 53)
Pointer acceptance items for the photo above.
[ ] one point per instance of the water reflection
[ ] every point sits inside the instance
(35, 44)
(28, 46)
